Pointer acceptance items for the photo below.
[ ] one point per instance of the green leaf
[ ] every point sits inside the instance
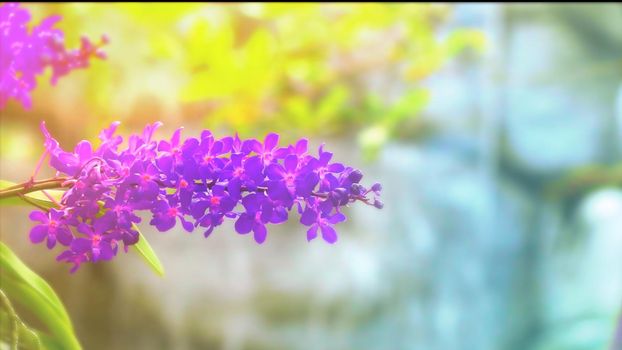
(14, 332)
(146, 252)
(26, 288)
(27, 338)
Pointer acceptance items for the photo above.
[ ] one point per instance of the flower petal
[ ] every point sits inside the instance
(51, 242)
(270, 141)
(37, 215)
(329, 234)
(244, 224)
(260, 232)
(301, 146)
(38, 233)
(275, 172)
(336, 168)
(188, 226)
(106, 252)
(81, 245)
(309, 217)
(337, 218)
(64, 236)
(312, 233)
(291, 162)
(84, 151)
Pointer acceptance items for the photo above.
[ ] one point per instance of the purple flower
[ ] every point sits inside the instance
(26, 54)
(207, 154)
(99, 242)
(217, 200)
(253, 219)
(300, 148)
(210, 221)
(109, 141)
(72, 163)
(143, 183)
(316, 219)
(120, 211)
(243, 172)
(165, 216)
(288, 181)
(199, 182)
(170, 152)
(323, 166)
(52, 227)
(72, 257)
(266, 151)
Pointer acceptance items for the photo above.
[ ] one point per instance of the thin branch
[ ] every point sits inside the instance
(27, 187)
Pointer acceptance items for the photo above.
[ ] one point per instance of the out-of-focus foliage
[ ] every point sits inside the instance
(322, 68)
(22, 285)
(14, 333)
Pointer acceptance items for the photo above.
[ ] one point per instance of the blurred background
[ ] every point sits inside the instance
(496, 131)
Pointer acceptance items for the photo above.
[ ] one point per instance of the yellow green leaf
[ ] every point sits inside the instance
(144, 250)
(23, 286)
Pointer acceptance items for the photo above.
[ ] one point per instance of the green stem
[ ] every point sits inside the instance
(32, 186)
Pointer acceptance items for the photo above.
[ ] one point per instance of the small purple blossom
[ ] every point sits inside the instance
(254, 218)
(165, 216)
(26, 54)
(99, 242)
(322, 221)
(52, 227)
(198, 182)
(73, 257)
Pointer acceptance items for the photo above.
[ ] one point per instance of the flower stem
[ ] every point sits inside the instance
(32, 186)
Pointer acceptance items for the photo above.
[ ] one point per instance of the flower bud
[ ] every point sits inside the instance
(357, 189)
(376, 188)
(355, 176)
(378, 204)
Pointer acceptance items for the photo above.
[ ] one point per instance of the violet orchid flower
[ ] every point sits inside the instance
(52, 228)
(197, 182)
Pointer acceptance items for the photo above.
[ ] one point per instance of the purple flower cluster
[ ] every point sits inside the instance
(25, 54)
(198, 182)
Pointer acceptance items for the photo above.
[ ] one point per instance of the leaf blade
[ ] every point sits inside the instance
(147, 253)
(32, 292)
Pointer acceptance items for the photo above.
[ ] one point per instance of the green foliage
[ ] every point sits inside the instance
(291, 68)
(147, 254)
(14, 333)
(22, 286)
